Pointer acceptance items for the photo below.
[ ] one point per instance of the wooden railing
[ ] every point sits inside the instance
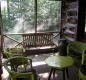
(34, 39)
(37, 39)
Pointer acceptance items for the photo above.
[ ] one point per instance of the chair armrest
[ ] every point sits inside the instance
(6, 64)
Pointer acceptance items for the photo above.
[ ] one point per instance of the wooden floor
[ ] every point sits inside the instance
(43, 69)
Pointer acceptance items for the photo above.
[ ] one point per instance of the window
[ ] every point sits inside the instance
(26, 16)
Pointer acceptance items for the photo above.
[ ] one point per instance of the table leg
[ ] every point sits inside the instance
(63, 74)
(67, 72)
(54, 70)
(50, 73)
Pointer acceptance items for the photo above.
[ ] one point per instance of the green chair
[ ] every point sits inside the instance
(20, 68)
(12, 52)
(75, 50)
(82, 69)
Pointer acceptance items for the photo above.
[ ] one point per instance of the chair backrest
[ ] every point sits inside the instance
(10, 52)
(77, 46)
(82, 69)
(15, 65)
(15, 50)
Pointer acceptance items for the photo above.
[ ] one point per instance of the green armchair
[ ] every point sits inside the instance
(12, 52)
(20, 68)
(75, 50)
(82, 69)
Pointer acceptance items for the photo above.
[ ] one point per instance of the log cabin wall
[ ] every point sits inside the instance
(73, 20)
(70, 19)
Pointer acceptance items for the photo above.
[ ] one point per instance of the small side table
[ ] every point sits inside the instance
(59, 63)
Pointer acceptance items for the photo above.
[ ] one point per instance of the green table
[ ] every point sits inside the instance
(59, 63)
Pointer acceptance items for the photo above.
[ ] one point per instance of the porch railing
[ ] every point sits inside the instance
(10, 42)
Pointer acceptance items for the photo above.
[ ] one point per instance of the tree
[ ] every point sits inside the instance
(48, 14)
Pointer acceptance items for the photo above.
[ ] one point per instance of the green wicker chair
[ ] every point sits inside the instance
(75, 50)
(78, 51)
(82, 69)
(12, 52)
(20, 68)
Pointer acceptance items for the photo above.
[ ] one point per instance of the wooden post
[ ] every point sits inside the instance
(0, 43)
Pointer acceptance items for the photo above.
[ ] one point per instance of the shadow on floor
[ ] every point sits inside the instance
(43, 69)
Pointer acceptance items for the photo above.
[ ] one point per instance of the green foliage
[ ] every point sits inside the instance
(17, 10)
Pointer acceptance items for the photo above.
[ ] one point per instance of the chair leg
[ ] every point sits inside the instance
(50, 73)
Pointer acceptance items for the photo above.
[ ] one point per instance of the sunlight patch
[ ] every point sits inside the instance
(38, 63)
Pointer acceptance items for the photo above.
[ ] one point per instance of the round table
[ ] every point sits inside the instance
(59, 63)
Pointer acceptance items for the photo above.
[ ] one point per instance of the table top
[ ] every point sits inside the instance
(59, 61)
